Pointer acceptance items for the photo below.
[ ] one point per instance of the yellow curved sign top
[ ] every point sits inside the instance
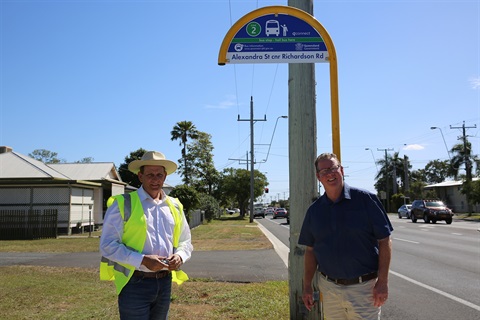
(283, 34)
(276, 34)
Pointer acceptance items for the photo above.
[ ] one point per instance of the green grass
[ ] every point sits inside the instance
(34, 292)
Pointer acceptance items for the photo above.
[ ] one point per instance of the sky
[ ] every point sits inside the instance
(102, 79)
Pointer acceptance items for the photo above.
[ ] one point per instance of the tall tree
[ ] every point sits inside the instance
(182, 131)
(462, 155)
(437, 171)
(127, 176)
(45, 156)
(203, 174)
(235, 184)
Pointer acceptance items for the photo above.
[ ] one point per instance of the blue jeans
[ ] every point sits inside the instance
(145, 298)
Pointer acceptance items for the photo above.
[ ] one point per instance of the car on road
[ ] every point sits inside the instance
(269, 210)
(259, 212)
(404, 211)
(431, 211)
(280, 213)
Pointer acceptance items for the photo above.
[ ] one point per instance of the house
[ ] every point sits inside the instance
(76, 192)
(451, 193)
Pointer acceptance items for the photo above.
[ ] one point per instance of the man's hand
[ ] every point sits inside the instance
(380, 293)
(175, 262)
(154, 262)
(307, 298)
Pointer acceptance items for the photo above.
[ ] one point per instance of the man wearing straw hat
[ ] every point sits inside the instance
(145, 240)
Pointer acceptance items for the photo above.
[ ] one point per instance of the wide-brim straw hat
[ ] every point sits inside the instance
(153, 158)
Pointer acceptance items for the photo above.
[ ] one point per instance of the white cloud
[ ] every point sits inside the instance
(475, 82)
(228, 102)
(414, 147)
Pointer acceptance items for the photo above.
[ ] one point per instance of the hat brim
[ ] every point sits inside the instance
(169, 166)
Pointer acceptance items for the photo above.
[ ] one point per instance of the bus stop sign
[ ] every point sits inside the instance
(274, 36)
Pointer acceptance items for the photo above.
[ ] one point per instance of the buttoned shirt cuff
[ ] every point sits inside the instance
(135, 259)
(182, 255)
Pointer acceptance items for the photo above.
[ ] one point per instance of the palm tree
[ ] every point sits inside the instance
(182, 131)
(462, 154)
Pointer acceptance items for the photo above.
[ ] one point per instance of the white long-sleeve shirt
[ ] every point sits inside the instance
(159, 241)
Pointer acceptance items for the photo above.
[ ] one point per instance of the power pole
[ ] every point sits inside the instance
(252, 155)
(466, 154)
(387, 200)
(466, 158)
(302, 153)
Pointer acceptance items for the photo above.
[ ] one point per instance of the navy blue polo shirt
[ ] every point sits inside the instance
(345, 233)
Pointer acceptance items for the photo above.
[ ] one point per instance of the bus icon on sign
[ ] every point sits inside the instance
(272, 27)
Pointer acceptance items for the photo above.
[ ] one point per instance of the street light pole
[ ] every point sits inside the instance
(448, 152)
(273, 134)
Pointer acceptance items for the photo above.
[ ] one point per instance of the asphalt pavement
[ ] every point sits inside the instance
(228, 266)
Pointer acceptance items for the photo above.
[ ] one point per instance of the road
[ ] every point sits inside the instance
(435, 268)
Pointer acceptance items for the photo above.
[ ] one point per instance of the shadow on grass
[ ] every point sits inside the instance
(230, 218)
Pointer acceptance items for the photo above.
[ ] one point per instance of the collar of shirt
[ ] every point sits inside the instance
(143, 195)
(345, 195)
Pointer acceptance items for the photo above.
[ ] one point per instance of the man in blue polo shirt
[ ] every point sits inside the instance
(347, 237)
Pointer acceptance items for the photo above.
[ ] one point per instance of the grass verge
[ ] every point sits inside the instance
(34, 292)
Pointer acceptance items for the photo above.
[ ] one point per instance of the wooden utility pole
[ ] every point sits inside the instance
(302, 153)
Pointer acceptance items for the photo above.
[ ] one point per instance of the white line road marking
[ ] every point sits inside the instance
(406, 240)
(447, 295)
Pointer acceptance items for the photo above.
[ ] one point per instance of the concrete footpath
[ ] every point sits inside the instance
(228, 266)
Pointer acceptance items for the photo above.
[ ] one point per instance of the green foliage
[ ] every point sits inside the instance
(235, 187)
(209, 205)
(188, 196)
(437, 171)
(472, 190)
(85, 160)
(397, 201)
(45, 156)
(127, 176)
(182, 131)
(204, 176)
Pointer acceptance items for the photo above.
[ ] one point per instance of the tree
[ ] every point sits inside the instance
(127, 176)
(182, 131)
(437, 171)
(203, 175)
(462, 154)
(209, 205)
(45, 156)
(235, 186)
(85, 160)
(188, 196)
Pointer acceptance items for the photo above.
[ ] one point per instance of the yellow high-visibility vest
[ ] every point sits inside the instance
(135, 235)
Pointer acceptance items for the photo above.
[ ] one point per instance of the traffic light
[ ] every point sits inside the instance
(266, 190)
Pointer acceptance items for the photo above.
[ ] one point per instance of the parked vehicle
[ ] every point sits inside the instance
(280, 213)
(431, 210)
(404, 211)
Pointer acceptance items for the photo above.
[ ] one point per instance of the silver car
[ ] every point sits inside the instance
(404, 211)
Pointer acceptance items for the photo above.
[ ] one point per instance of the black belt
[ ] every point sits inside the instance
(347, 282)
(156, 275)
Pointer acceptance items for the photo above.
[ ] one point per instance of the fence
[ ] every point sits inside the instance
(28, 224)
(196, 219)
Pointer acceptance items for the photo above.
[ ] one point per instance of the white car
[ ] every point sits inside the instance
(404, 211)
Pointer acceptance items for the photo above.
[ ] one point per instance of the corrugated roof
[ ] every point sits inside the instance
(16, 165)
(88, 171)
(448, 184)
